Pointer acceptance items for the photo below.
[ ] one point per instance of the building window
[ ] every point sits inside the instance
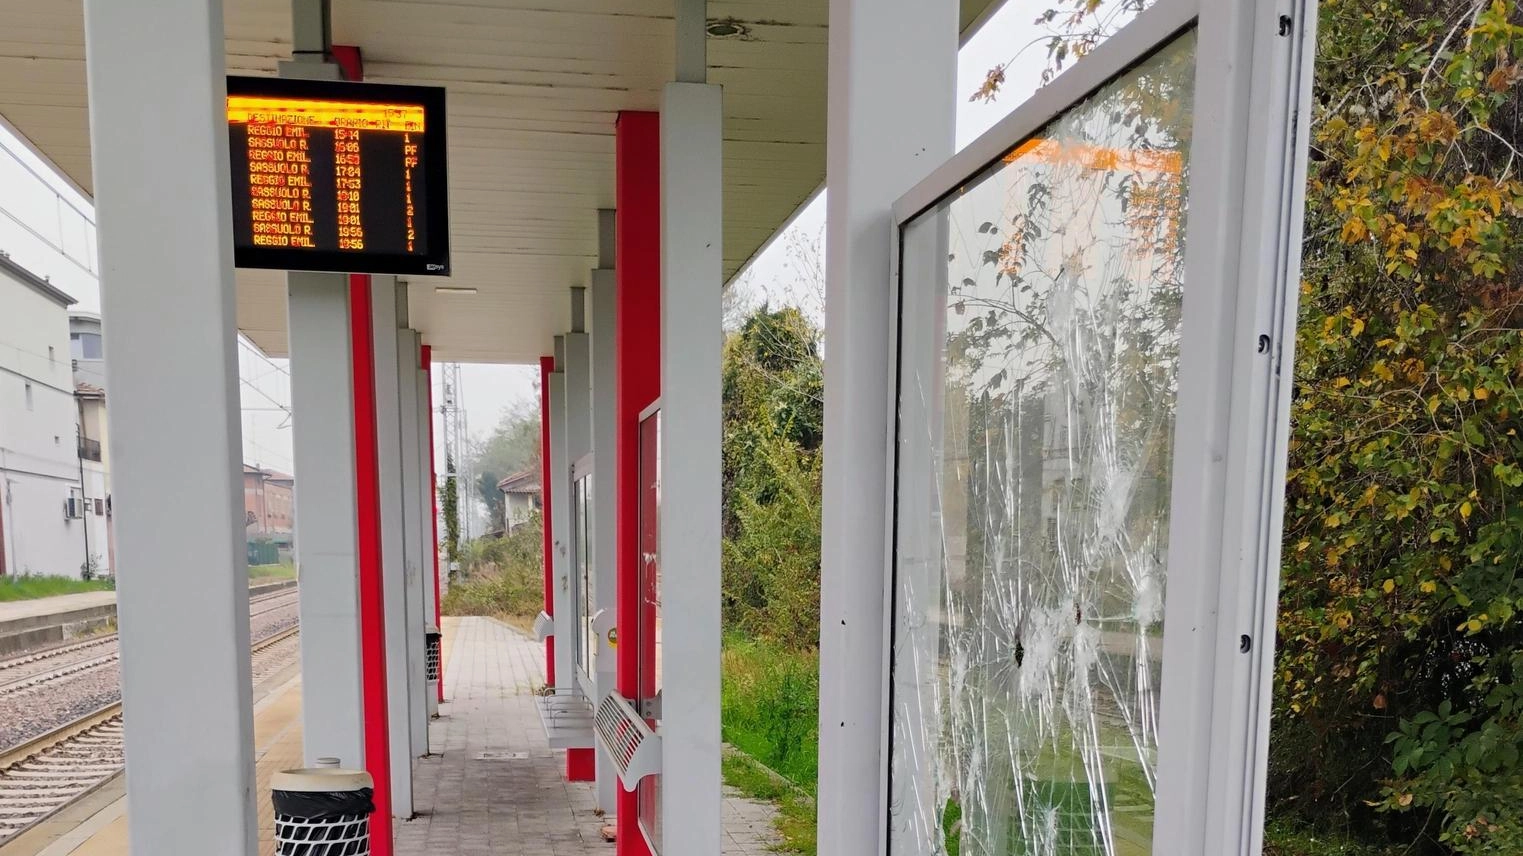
(85, 346)
(52, 358)
(29, 395)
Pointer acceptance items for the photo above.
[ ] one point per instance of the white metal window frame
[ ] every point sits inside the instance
(651, 413)
(1244, 219)
(585, 659)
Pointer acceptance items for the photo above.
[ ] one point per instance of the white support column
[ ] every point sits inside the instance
(1248, 161)
(604, 479)
(322, 428)
(891, 119)
(322, 387)
(578, 381)
(425, 522)
(384, 300)
(692, 279)
(578, 423)
(166, 263)
(404, 373)
(560, 523)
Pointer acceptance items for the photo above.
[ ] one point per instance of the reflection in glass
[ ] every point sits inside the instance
(1039, 364)
(649, 638)
(585, 580)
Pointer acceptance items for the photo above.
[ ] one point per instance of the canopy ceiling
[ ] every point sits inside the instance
(534, 88)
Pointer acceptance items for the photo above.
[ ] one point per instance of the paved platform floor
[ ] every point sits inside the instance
(513, 802)
(38, 607)
(516, 800)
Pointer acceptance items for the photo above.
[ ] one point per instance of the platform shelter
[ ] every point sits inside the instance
(1055, 419)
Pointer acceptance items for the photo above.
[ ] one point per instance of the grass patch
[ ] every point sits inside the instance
(795, 820)
(771, 715)
(282, 571)
(771, 706)
(31, 587)
(1283, 837)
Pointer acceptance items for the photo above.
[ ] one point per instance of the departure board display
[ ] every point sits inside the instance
(334, 176)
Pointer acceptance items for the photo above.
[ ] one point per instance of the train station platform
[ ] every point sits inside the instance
(43, 621)
(35, 623)
(19, 610)
(494, 788)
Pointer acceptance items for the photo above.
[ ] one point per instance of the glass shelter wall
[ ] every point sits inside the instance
(649, 638)
(584, 580)
(1038, 380)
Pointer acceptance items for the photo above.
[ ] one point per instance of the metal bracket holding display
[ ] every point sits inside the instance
(631, 744)
(650, 708)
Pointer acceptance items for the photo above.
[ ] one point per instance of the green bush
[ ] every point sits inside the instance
(773, 426)
(501, 577)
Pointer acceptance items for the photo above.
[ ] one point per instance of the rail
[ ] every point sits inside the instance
(63, 766)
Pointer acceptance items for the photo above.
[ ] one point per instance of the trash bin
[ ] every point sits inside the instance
(322, 811)
(431, 668)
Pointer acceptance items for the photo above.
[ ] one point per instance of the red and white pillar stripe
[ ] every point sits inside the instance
(546, 366)
(426, 361)
(372, 590)
(637, 269)
(576, 411)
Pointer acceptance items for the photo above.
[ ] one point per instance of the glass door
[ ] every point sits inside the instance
(583, 579)
(649, 636)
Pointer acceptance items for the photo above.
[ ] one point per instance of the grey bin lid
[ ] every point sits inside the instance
(320, 780)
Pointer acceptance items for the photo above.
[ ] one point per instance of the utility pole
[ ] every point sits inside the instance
(456, 446)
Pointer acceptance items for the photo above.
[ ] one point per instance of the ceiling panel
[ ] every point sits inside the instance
(534, 90)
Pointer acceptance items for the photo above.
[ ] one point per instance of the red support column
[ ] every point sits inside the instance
(426, 360)
(637, 266)
(581, 765)
(372, 615)
(546, 366)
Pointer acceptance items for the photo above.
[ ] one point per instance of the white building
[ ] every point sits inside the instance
(89, 362)
(43, 510)
(86, 347)
(520, 498)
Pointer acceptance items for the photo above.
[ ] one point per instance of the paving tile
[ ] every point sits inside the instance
(516, 805)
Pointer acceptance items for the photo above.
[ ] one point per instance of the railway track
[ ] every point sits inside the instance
(48, 773)
(48, 665)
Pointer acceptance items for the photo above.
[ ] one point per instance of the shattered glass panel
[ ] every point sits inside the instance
(1039, 357)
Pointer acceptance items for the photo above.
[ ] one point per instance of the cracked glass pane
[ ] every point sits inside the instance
(1039, 359)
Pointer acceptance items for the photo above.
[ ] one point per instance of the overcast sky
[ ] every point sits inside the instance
(48, 226)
